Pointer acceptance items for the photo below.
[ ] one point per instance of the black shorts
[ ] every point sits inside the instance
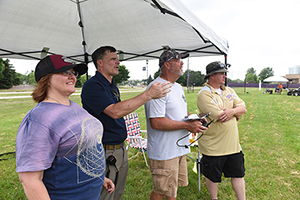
(231, 165)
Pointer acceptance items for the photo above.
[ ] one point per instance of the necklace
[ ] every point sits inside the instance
(54, 100)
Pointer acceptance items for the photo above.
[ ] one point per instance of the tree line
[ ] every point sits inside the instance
(8, 75)
(190, 78)
(251, 76)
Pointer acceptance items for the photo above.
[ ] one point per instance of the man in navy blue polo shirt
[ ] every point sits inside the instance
(101, 98)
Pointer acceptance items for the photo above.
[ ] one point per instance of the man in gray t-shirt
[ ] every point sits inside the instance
(165, 126)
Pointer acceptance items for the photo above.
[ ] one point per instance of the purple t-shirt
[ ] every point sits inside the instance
(65, 142)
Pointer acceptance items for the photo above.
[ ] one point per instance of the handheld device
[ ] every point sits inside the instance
(202, 117)
(111, 160)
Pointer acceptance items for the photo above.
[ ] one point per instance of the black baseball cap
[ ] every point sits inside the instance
(56, 63)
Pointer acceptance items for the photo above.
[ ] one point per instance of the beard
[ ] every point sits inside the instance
(179, 73)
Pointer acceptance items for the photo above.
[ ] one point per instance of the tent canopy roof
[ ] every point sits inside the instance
(277, 79)
(139, 29)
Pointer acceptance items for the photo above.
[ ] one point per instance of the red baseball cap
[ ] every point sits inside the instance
(56, 63)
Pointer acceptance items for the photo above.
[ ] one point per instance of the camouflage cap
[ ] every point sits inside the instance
(169, 55)
(215, 67)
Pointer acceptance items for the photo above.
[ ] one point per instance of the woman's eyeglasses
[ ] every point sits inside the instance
(69, 73)
(116, 95)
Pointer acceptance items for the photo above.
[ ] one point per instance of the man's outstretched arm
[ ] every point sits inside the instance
(123, 108)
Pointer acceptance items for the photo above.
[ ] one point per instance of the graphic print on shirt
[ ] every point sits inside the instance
(184, 99)
(230, 97)
(90, 157)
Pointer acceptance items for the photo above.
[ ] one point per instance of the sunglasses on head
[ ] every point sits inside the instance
(221, 65)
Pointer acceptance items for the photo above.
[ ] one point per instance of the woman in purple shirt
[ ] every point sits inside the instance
(59, 152)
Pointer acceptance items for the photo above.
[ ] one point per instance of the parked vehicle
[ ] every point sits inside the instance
(295, 92)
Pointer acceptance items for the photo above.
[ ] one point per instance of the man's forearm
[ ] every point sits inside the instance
(125, 107)
(156, 91)
(239, 111)
(166, 124)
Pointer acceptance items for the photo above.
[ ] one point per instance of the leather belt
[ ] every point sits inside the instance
(112, 147)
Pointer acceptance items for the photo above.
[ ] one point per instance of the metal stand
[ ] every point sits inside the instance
(198, 168)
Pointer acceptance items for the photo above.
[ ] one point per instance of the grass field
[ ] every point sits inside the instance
(269, 135)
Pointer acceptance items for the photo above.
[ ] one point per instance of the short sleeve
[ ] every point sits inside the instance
(95, 98)
(236, 100)
(156, 107)
(36, 146)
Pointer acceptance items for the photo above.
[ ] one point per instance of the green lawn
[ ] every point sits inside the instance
(269, 135)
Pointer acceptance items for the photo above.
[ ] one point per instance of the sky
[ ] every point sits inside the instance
(260, 33)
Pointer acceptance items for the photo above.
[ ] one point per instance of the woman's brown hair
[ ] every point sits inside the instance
(40, 92)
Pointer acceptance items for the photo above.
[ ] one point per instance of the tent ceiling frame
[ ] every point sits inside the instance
(8, 52)
(86, 55)
(198, 50)
(130, 55)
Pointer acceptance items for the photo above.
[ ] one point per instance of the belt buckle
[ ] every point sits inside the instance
(112, 147)
(118, 146)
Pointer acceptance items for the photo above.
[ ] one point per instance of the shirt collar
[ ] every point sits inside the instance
(213, 89)
(102, 79)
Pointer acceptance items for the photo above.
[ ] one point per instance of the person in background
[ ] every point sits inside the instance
(280, 88)
(165, 126)
(101, 98)
(58, 141)
(220, 147)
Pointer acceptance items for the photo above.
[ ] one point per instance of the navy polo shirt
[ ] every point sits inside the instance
(98, 93)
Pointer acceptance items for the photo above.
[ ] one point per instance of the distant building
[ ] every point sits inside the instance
(294, 70)
(294, 74)
(293, 78)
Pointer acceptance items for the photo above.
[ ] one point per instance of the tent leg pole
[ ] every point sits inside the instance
(225, 62)
(86, 59)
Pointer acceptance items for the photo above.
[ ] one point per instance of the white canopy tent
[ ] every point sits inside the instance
(277, 79)
(139, 29)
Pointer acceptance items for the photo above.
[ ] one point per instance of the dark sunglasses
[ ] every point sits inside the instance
(116, 95)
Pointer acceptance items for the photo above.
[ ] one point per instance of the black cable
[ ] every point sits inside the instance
(3, 154)
(187, 145)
